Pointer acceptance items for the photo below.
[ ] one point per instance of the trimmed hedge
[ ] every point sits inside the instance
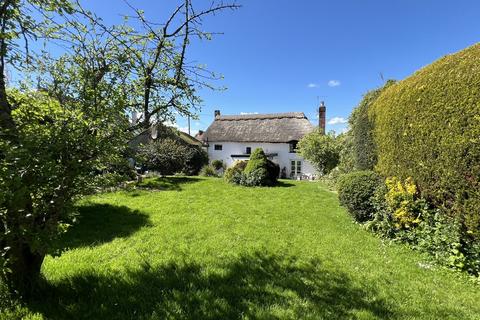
(364, 149)
(355, 192)
(428, 127)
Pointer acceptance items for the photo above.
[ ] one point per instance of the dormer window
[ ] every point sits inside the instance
(293, 146)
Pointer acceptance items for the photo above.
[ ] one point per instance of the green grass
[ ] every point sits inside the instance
(197, 248)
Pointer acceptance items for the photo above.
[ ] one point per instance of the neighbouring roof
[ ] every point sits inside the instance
(163, 132)
(274, 127)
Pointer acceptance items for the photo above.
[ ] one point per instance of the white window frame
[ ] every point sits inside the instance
(296, 164)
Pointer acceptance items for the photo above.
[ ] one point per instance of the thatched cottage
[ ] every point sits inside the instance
(234, 137)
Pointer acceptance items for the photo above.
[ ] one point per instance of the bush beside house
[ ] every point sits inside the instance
(257, 171)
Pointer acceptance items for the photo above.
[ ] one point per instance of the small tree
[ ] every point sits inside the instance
(60, 151)
(55, 139)
(322, 150)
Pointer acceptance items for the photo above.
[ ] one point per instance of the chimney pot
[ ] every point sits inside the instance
(217, 113)
(322, 110)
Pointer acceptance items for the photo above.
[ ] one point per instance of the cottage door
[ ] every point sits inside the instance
(295, 168)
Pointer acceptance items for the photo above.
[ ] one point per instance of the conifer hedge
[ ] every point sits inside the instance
(428, 127)
(364, 150)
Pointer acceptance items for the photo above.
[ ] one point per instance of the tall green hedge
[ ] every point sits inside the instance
(364, 149)
(428, 127)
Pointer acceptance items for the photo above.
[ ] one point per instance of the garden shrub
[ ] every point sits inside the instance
(258, 159)
(236, 169)
(273, 172)
(428, 127)
(402, 200)
(169, 156)
(208, 171)
(258, 171)
(217, 164)
(402, 214)
(355, 192)
(257, 177)
(398, 206)
(195, 159)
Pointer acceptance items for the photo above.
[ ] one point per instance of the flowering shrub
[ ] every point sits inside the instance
(403, 201)
(401, 213)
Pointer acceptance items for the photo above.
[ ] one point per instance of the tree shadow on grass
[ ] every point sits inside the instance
(256, 286)
(101, 223)
(166, 183)
(283, 184)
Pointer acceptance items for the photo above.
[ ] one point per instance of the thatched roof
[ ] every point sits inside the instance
(274, 127)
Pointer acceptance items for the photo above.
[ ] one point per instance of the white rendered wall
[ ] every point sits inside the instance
(282, 149)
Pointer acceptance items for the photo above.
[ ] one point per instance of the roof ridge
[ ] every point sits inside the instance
(283, 115)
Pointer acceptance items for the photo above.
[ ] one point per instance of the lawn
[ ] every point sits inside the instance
(197, 248)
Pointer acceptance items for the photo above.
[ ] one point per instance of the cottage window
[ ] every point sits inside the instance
(217, 147)
(248, 150)
(293, 146)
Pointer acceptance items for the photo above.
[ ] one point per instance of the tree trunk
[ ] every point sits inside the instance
(24, 273)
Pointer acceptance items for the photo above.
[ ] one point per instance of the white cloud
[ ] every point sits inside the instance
(337, 120)
(334, 83)
(312, 85)
(247, 113)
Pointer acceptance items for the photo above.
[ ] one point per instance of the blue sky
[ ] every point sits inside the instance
(282, 55)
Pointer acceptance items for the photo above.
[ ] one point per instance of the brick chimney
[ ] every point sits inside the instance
(322, 110)
(217, 113)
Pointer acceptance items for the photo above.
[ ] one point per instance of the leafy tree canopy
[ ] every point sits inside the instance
(322, 150)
